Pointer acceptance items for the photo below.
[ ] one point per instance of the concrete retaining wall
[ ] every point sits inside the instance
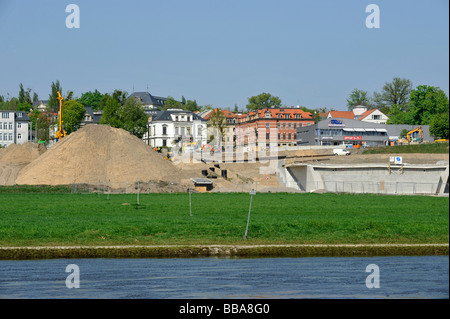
(369, 178)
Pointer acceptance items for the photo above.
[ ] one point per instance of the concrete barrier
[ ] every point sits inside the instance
(368, 178)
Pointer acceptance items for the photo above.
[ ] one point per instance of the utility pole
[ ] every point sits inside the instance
(252, 192)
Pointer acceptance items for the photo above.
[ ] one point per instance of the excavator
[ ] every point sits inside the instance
(410, 133)
(61, 132)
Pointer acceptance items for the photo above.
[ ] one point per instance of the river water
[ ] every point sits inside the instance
(236, 278)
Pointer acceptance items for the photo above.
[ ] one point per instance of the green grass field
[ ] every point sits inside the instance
(429, 148)
(30, 218)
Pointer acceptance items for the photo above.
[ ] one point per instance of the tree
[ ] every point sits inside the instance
(191, 106)
(133, 118)
(218, 121)
(110, 114)
(92, 99)
(53, 102)
(426, 102)
(73, 115)
(130, 116)
(21, 94)
(397, 116)
(171, 103)
(35, 97)
(263, 101)
(396, 92)
(358, 97)
(439, 125)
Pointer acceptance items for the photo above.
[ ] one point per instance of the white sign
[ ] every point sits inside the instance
(398, 160)
(391, 159)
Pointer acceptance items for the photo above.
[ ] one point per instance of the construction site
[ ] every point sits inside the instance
(101, 158)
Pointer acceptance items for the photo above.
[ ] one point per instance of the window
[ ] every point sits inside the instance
(176, 118)
(1, 137)
(267, 125)
(164, 142)
(295, 125)
(279, 125)
(284, 125)
(5, 115)
(19, 136)
(5, 136)
(289, 125)
(10, 125)
(164, 128)
(182, 131)
(279, 136)
(19, 114)
(267, 136)
(298, 116)
(284, 136)
(376, 117)
(199, 130)
(5, 126)
(176, 130)
(19, 125)
(287, 116)
(10, 136)
(289, 136)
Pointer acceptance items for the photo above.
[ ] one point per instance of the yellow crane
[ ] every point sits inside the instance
(60, 133)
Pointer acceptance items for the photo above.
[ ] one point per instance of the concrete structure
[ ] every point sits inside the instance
(14, 128)
(367, 178)
(345, 132)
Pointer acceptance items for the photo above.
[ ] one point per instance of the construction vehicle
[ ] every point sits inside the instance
(60, 133)
(411, 133)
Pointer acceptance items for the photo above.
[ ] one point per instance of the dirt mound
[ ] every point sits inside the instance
(98, 153)
(22, 153)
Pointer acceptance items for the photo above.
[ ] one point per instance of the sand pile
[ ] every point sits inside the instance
(22, 153)
(97, 154)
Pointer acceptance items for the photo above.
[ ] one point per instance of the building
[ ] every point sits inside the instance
(14, 128)
(149, 102)
(260, 125)
(349, 132)
(169, 127)
(41, 105)
(229, 123)
(91, 116)
(360, 113)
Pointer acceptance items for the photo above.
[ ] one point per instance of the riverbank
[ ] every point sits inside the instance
(247, 251)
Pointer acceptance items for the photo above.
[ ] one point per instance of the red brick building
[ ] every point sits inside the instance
(259, 125)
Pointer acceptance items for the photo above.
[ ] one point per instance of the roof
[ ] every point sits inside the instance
(166, 115)
(367, 113)
(276, 112)
(148, 99)
(95, 115)
(207, 114)
(21, 116)
(341, 114)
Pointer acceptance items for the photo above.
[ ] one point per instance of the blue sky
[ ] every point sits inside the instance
(309, 53)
